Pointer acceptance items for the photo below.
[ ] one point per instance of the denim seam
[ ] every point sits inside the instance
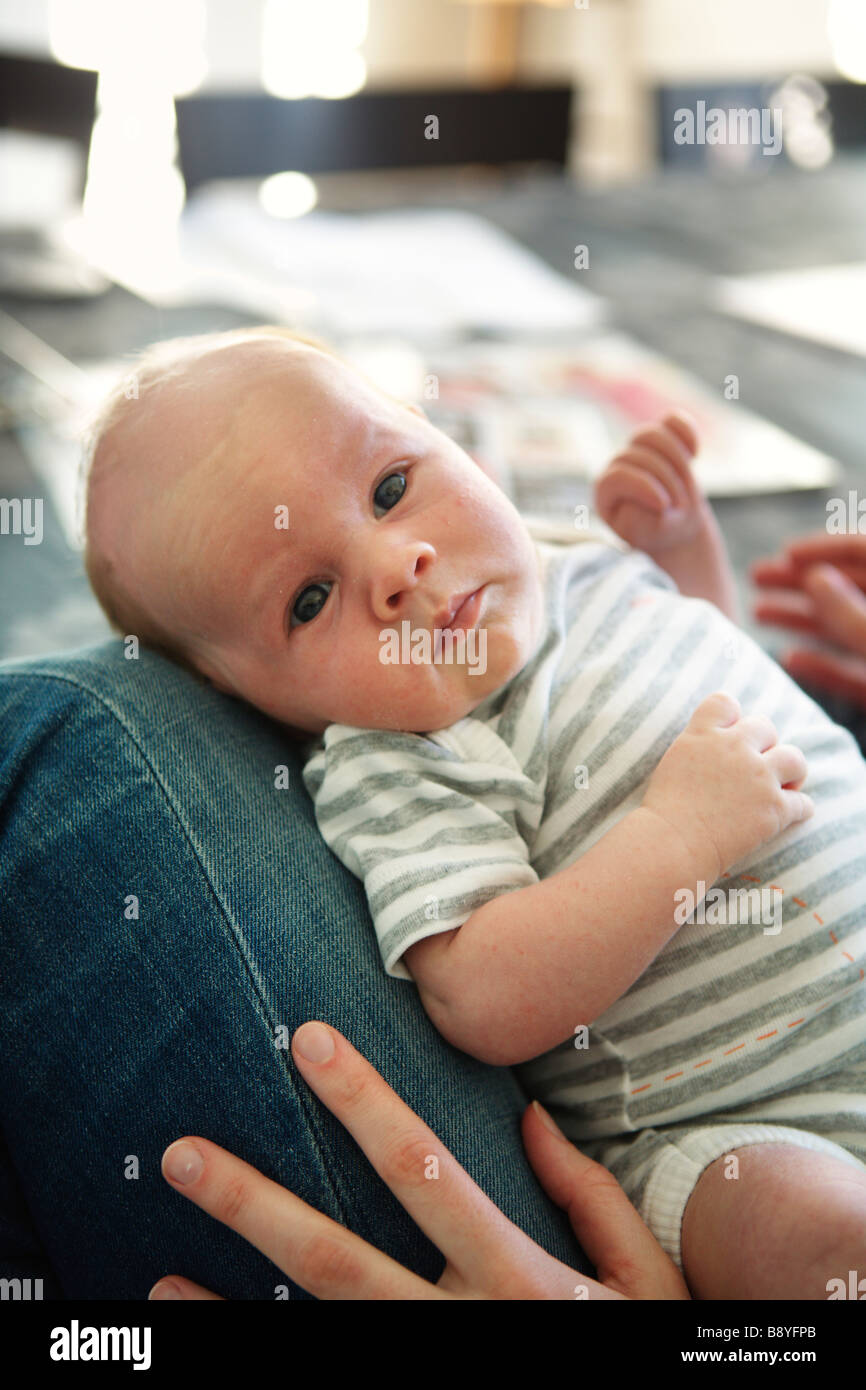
(234, 929)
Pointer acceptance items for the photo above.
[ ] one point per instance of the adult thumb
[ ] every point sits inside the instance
(626, 1254)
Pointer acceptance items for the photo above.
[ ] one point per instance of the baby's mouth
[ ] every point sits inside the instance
(466, 612)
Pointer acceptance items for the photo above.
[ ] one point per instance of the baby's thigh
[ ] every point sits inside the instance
(775, 1221)
(700, 1168)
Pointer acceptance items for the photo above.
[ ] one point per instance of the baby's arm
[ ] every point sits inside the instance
(649, 497)
(527, 968)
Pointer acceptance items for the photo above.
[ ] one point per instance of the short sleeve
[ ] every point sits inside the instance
(434, 825)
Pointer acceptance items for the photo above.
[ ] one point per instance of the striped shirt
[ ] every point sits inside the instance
(437, 824)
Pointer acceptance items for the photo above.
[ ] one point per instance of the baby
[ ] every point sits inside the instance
(534, 830)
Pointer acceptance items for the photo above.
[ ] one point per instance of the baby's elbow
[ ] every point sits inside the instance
(471, 1028)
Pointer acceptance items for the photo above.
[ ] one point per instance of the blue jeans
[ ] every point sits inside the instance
(165, 910)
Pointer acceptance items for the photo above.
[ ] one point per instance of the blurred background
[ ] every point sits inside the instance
(546, 222)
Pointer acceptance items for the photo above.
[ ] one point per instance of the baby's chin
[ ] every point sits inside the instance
(432, 711)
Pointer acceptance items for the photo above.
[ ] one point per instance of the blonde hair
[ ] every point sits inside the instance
(149, 368)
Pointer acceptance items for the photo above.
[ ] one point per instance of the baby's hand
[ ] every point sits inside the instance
(648, 494)
(726, 786)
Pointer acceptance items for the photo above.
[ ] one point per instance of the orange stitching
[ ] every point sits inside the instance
(762, 1036)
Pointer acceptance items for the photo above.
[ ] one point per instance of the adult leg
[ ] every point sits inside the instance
(169, 916)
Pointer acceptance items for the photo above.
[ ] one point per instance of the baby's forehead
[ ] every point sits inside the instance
(274, 406)
(318, 404)
(289, 379)
(269, 361)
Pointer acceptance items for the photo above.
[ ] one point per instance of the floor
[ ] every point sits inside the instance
(653, 248)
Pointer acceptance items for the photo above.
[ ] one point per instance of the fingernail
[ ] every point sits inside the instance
(182, 1162)
(546, 1120)
(164, 1288)
(314, 1042)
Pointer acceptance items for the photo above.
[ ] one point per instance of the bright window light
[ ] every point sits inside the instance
(162, 42)
(310, 47)
(145, 56)
(804, 104)
(846, 27)
(288, 195)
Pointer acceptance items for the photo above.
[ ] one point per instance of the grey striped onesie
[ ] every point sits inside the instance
(738, 1032)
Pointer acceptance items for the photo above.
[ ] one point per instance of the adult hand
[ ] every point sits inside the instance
(487, 1256)
(817, 586)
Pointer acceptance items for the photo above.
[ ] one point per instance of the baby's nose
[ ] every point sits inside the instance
(396, 586)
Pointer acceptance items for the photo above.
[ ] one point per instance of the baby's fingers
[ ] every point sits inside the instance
(622, 482)
(798, 806)
(789, 766)
(684, 427)
(655, 464)
(719, 710)
(671, 442)
(758, 730)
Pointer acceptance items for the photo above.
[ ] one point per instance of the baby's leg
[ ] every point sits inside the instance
(790, 1221)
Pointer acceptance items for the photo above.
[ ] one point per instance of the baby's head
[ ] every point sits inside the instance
(262, 512)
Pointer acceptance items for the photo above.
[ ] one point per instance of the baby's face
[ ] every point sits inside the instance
(388, 521)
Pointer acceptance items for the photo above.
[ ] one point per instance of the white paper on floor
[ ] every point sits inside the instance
(420, 272)
(826, 304)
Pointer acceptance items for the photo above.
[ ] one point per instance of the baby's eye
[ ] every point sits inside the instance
(307, 605)
(392, 489)
(311, 601)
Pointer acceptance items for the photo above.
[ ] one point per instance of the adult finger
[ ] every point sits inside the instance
(840, 675)
(819, 546)
(840, 608)
(775, 572)
(792, 610)
(314, 1251)
(781, 572)
(461, 1221)
(177, 1287)
(627, 1256)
